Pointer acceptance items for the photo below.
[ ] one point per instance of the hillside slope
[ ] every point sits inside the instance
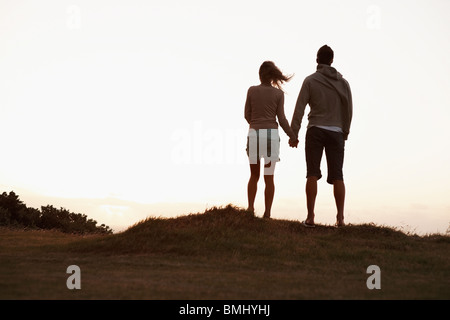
(227, 253)
(225, 230)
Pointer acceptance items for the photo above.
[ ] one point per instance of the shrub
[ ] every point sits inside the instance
(13, 212)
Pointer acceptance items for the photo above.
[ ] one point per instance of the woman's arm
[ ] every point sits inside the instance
(284, 123)
(248, 108)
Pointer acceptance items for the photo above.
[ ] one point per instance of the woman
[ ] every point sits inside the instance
(264, 104)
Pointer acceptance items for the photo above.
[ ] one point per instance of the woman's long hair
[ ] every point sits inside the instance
(269, 73)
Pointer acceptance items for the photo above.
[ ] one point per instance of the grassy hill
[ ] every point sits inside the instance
(225, 253)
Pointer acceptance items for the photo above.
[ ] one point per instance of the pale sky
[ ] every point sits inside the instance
(125, 109)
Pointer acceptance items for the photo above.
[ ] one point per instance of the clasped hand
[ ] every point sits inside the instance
(293, 143)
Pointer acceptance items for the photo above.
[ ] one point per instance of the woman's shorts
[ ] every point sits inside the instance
(263, 143)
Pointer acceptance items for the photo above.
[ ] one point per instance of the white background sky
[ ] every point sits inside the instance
(125, 109)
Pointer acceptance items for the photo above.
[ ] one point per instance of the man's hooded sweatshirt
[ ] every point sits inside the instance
(329, 97)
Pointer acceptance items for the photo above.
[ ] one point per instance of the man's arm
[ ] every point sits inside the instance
(348, 115)
(302, 101)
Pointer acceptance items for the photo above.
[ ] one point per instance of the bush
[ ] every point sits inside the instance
(5, 217)
(13, 212)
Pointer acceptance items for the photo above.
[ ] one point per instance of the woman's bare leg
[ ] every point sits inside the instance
(252, 186)
(270, 190)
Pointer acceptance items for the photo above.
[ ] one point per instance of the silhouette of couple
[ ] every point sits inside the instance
(329, 97)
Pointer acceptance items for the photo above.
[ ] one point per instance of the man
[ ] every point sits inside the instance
(329, 97)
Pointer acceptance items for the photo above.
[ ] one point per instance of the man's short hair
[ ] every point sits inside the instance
(325, 55)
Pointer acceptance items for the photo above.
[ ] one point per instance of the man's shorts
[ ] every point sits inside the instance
(318, 139)
(263, 143)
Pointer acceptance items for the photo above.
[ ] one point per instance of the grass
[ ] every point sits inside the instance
(225, 253)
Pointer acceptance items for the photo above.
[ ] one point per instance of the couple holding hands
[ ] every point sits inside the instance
(329, 97)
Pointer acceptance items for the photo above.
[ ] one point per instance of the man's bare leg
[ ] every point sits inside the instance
(311, 193)
(339, 196)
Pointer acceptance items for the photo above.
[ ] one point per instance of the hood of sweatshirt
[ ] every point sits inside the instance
(329, 71)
